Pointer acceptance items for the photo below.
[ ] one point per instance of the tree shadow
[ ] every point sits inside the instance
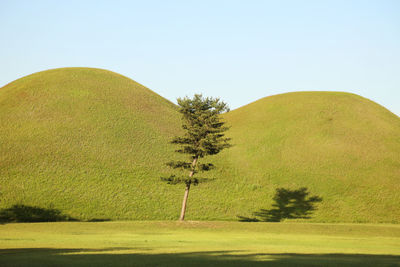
(23, 213)
(289, 204)
(99, 220)
(135, 256)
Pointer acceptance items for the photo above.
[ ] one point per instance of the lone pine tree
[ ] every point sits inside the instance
(203, 136)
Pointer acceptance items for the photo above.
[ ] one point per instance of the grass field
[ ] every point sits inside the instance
(167, 243)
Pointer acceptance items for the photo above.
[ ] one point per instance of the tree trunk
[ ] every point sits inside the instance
(185, 196)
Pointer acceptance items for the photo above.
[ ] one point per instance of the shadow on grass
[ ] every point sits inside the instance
(289, 204)
(24, 213)
(131, 257)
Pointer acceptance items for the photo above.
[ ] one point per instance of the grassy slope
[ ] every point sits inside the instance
(198, 244)
(340, 146)
(93, 144)
(87, 141)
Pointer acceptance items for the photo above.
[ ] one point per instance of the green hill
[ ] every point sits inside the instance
(93, 144)
(89, 142)
(342, 147)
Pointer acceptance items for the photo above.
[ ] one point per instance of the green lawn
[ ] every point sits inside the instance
(169, 243)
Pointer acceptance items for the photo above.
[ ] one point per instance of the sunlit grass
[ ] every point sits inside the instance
(194, 243)
(93, 144)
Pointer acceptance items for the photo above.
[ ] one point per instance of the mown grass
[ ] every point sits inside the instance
(93, 144)
(165, 243)
(85, 141)
(340, 146)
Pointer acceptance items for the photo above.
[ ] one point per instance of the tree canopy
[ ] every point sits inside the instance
(203, 136)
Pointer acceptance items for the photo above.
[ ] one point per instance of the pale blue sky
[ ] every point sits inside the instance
(237, 50)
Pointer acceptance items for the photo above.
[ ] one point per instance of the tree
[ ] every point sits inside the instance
(203, 136)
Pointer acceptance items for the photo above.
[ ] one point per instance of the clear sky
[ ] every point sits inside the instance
(237, 50)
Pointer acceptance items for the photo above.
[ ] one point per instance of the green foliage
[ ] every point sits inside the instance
(203, 127)
(174, 179)
(203, 135)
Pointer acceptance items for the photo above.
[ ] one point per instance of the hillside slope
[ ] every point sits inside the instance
(342, 147)
(89, 142)
(93, 144)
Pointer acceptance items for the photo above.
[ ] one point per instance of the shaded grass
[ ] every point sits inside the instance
(22, 213)
(105, 257)
(198, 244)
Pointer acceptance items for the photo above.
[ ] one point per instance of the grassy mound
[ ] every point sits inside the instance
(89, 142)
(341, 147)
(92, 144)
